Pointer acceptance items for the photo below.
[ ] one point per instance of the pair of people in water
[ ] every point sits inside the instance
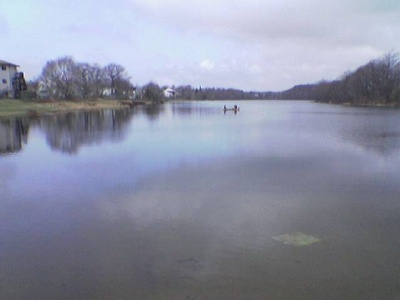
(235, 107)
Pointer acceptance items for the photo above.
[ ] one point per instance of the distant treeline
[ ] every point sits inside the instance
(65, 79)
(376, 83)
(189, 93)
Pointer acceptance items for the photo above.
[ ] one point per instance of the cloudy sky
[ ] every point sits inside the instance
(252, 45)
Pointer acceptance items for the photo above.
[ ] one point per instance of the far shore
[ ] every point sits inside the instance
(371, 105)
(19, 108)
(34, 108)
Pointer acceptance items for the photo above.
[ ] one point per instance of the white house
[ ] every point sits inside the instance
(169, 93)
(7, 73)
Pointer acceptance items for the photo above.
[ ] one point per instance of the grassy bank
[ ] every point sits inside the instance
(12, 107)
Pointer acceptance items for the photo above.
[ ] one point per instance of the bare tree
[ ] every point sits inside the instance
(152, 92)
(377, 82)
(59, 77)
(115, 73)
(91, 80)
(84, 80)
(185, 92)
(389, 74)
(124, 88)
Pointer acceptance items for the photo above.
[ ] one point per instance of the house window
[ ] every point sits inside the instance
(4, 81)
(3, 68)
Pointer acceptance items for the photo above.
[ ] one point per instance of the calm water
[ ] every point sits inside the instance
(182, 201)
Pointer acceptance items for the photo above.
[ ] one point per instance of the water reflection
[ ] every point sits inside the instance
(186, 207)
(67, 133)
(13, 133)
(375, 130)
(379, 133)
(152, 111)
(196, 108)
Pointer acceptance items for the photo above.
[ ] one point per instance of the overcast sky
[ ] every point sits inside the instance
(252, 45)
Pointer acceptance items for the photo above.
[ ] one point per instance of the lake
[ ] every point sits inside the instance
(282, 200)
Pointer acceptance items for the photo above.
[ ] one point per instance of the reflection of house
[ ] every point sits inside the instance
(12, 133)
(169, 93)
(7, 73)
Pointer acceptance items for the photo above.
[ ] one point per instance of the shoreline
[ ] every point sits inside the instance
(10, 108)
(20, 108)
(370, 105)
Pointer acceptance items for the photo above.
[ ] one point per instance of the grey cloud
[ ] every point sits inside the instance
(296, 41)
(347, 22)
(254, 44)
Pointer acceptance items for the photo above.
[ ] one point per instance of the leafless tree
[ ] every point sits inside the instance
(115, 73)
(91, 80)
(153, 92)
(59, 77)
(377, 82)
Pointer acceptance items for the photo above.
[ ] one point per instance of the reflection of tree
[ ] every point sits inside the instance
(195, 108)
(13, 132)
(70, 131)
(152, 111)
(380, 134)
(383, 143)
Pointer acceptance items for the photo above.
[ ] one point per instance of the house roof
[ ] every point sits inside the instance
(6, 63)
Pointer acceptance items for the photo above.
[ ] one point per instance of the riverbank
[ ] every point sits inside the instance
(371, 105)
(14, 108)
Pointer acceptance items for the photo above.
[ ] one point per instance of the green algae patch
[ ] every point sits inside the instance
(297, 239)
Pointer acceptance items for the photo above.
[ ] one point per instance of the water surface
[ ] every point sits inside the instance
(182, 201)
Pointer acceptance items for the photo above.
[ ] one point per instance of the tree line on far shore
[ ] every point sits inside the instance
(376, 83)
(66, 79)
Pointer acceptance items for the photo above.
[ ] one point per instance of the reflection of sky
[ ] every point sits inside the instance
(242, 176)
(198, 133)
(197, 194)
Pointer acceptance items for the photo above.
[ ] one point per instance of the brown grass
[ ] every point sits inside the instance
(12, 107)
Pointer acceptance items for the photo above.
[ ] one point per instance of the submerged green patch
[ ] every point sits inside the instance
(297, 239)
